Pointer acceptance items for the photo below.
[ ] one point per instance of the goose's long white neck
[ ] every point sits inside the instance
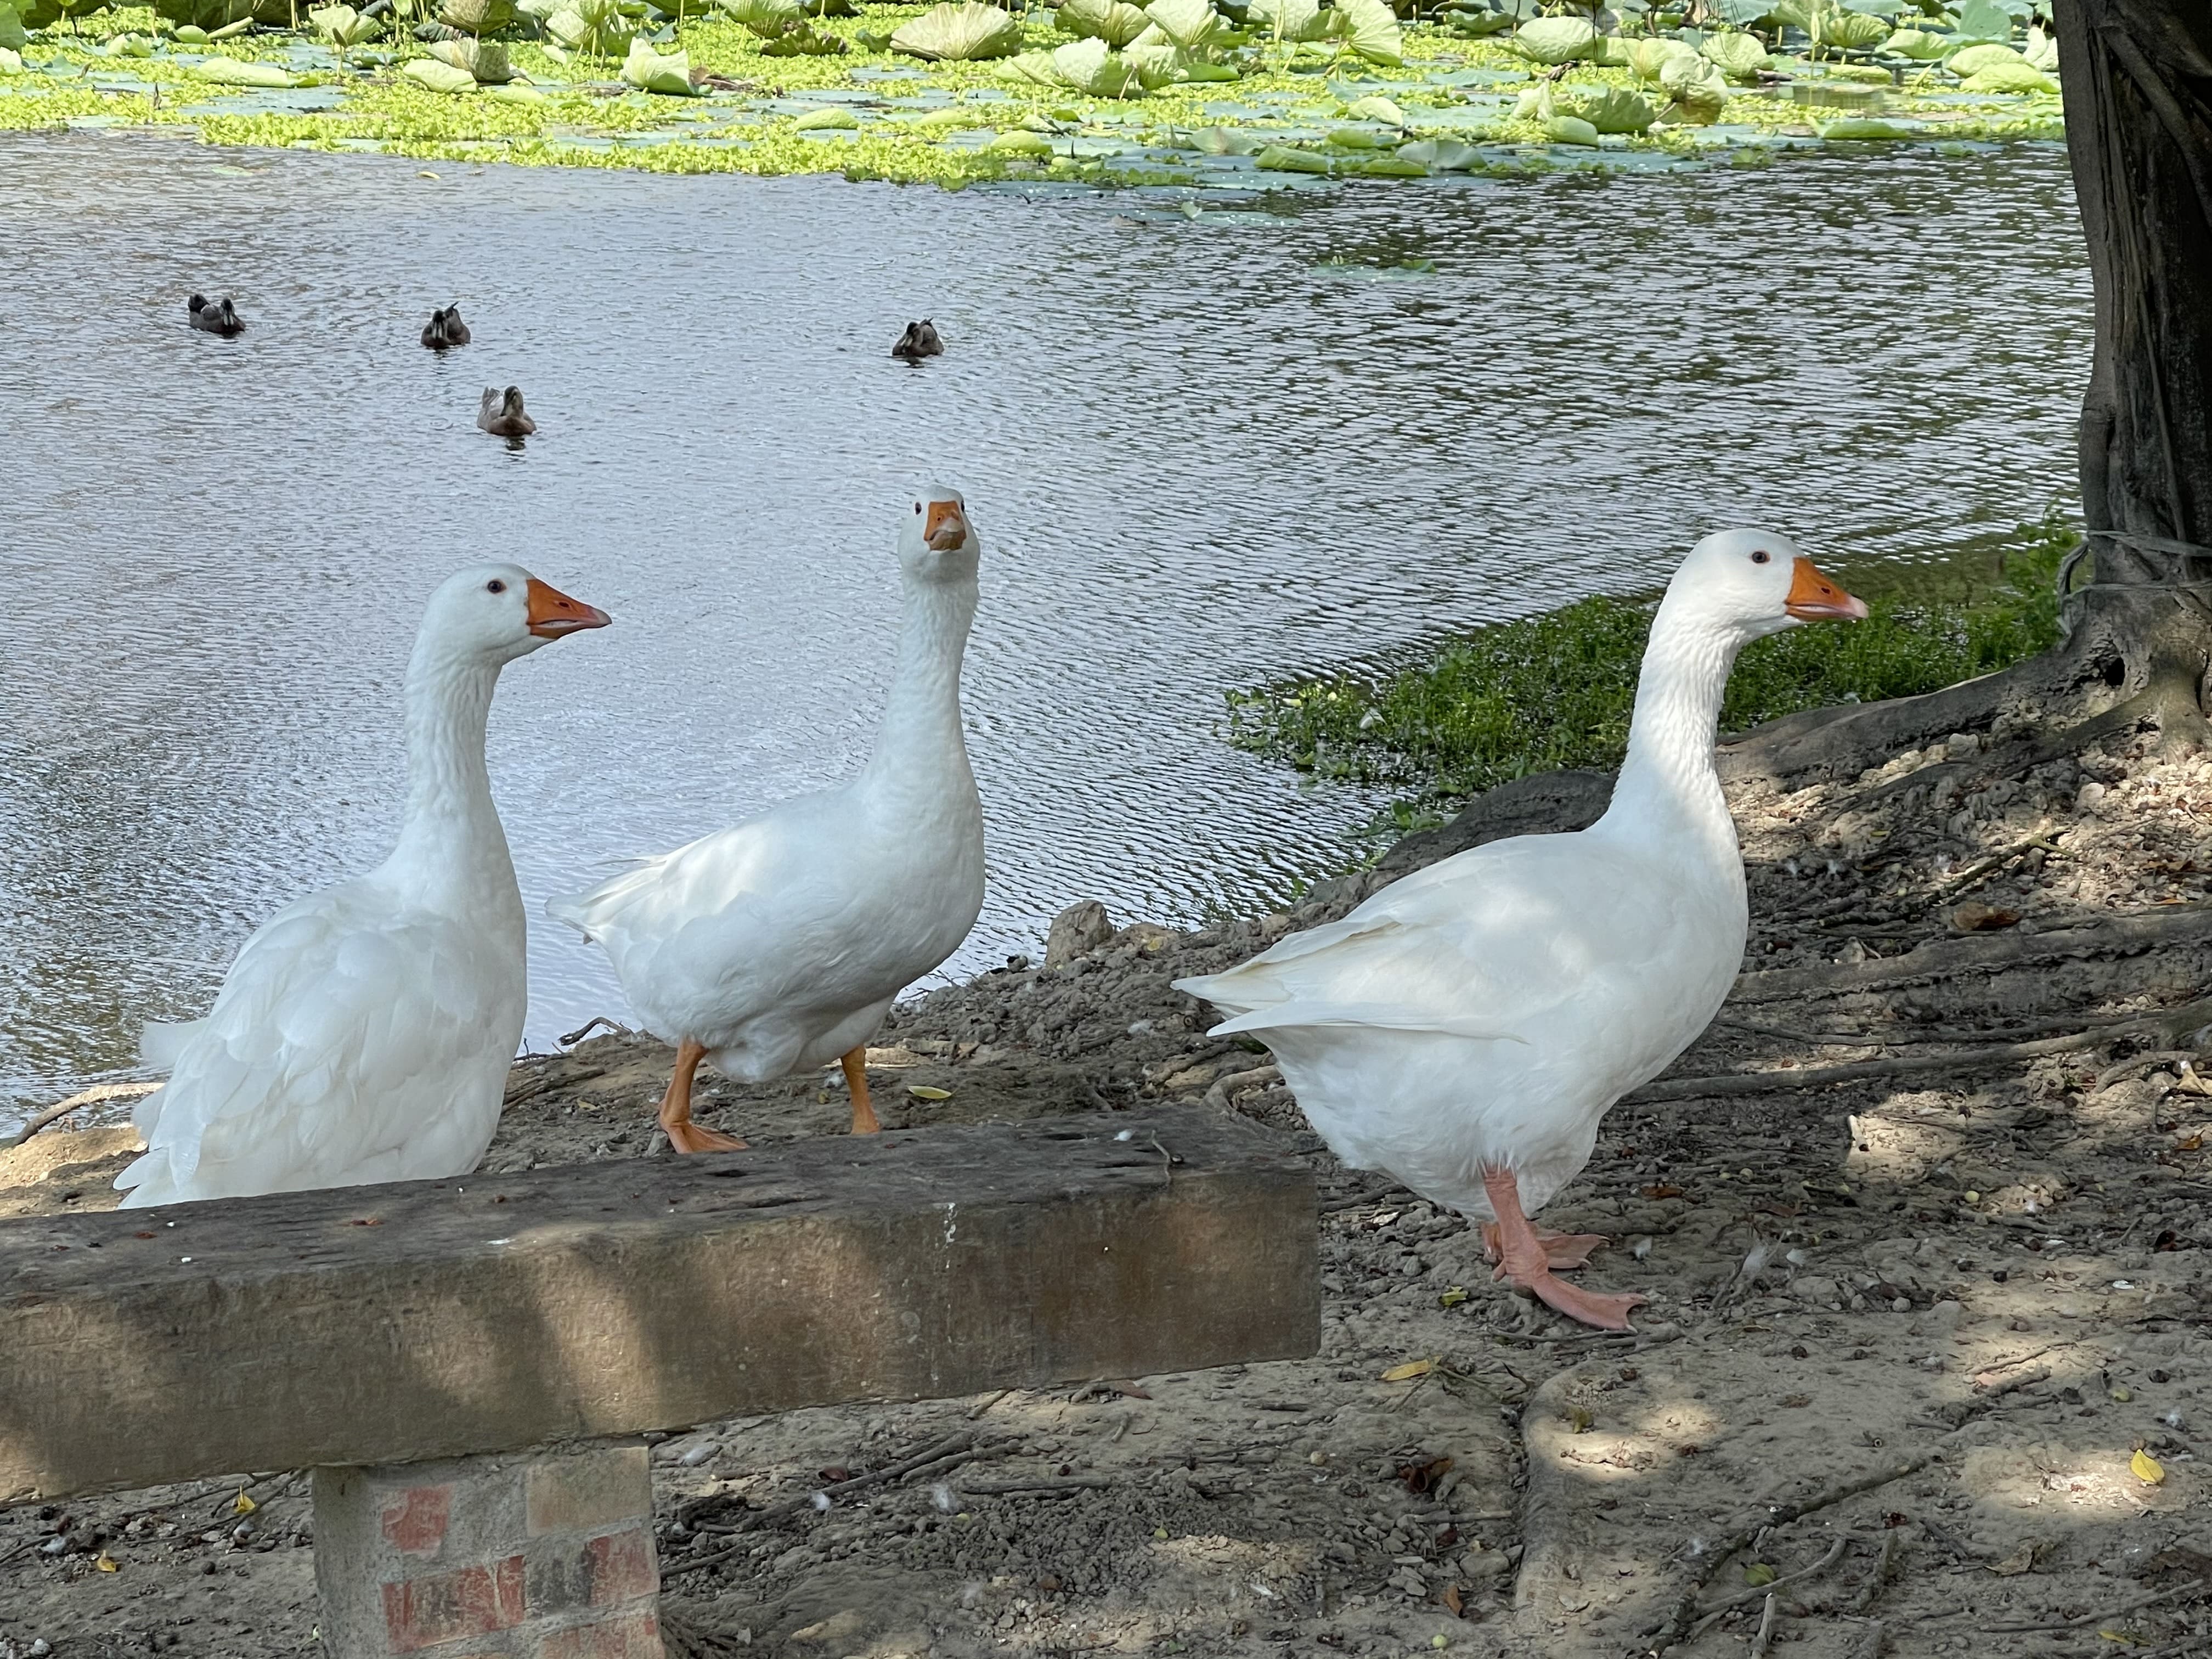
(919, 763)
(1668, 785)
(451, 842)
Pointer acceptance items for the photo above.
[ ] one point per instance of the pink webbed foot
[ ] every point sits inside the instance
(1563, 1252)
(1526, 1259)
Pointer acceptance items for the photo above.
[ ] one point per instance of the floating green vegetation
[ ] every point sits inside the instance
(1269, 94)
(1556, 691)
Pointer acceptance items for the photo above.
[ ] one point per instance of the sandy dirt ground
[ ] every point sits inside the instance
(1922, 1221)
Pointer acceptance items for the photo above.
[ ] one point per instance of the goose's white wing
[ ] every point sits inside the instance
(348, 1043)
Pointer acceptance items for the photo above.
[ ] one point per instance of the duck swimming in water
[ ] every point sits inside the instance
(445, 329)
(919, 341)
(503, 415)
(214, 317)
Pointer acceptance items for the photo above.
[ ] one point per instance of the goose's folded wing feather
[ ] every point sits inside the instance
(1482, 945)
(330, 1021)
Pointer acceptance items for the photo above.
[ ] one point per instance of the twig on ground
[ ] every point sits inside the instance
(1959, 880)
(2191, 1587)
(1762, 1644)
(1950, 1540)
(570, 1039)
(1063, 1485)
(2004, 1386)
(1868, 1646)
(1884, 1568)
(538, 1085)
(979, 1411)
(1729, 1603)
(105, 1092)
(948, 1453)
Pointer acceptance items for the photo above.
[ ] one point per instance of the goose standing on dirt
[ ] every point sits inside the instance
(778, 946)
(445, 330)
(1466, 1027)
(919, 341)
(364, 1032)
(501, 413)
(214, 316)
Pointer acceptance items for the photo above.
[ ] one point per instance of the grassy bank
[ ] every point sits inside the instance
(1555, 690)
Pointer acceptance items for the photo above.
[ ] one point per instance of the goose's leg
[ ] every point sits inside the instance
(855, 1062)
(1525, 1264)
(684, 1134)
(1562, 1251)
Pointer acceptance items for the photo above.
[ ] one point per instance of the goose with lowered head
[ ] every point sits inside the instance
(364, 1032)
(779, 946)
(1466, 1027)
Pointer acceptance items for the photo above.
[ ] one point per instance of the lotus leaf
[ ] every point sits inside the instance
(1570, 129)
(203, 15)
(1390, 166)
(1090, 68)
(1158, 63)
(483, 61)
(1970, 60)
(1616, 109)
(2017, 77)
(827, 120)
(2042, 50)
(1371, 30)
(1866, 126)
(1648, 52)
(1475, 22)
(1377, 107)
(1851, 31)
(1354, 138)
(1281, 158)
(1293, 19)
(11, 61)
(190, 34)
(230, 72)
(437, 75)
(1018, 142)
(13, 36)
(1443, 154)
(765, 18)
(650, 71)
(515, 92)
(1738, 56)
(1114, 21)
(1033, 66)
(1740, 13)
(1226, 141)
(1193, 25)
(1696, 86)
(595, 27)
(1555, 39)
(1919, 44)
(476, 16)
(1982, 20)
(959, 34)
(342, 26)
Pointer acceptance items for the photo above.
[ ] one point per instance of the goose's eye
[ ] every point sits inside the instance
(917, 507)
(495, 586)
(1761, 556)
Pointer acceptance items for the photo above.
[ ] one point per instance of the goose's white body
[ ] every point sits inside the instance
(779, 946)
(1487, 1012)
(364, 1032)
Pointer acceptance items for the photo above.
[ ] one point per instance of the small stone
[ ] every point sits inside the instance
(1077, 932)
(1479, 1565)
(2089, 797)
(1961, 745)
(1974, 917)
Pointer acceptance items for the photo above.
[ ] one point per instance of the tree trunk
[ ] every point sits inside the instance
(2138, 81)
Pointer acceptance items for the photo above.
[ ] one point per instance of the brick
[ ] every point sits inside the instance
(414, 1523)
(622, 1566)
(577, 1492)
(421, 1612)
(631, 1636)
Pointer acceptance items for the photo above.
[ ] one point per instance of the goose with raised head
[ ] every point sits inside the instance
(445, 330)
(214, 316)
(778, 946)
(1466, 1027)
(501, 413)
(364, 1032)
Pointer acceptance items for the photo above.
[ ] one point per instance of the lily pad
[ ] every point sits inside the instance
(1738, 56)
(1571, 129)
(2020, 76)
(1281, 158)
(1193, 25)
(1441, 154)
(1616, 109)
(961, 33)
(1866, 127)
(1114, 21)
(1972, 60)
(1372, 31)
(1921, 46)
(1649, 53)
(230, 72)
(438, 74)
(1018, 142)
(1555, 39)
(828, 120)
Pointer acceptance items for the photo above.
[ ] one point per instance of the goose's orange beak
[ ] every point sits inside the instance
(946, 526)
(553, 613)
(1814, 598)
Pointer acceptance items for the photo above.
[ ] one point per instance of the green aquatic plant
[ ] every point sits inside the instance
(1115, 22)
(1738, 56)
(438, 75)
(484, 62)
(344, 28)
(668, 74)
(1555, 39)
(1556, 691)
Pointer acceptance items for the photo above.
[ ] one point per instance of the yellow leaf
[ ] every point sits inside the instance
(2147, 1468)
(106, 1563)
(242, 1505)
(1758, 1573)
(1409, 1371)
(1454, 1297)
(923, 1091)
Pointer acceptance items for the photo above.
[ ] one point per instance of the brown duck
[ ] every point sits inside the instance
(502, 414)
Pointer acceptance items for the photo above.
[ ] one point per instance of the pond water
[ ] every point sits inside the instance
(1202, 452)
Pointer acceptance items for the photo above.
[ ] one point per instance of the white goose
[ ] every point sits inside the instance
(364, 1033)
(779, 946)
(1466, 1027)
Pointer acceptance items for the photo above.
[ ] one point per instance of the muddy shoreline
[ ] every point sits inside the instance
(1921, 1219)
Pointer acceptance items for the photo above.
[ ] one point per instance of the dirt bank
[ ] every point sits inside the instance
(1921, 1221)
